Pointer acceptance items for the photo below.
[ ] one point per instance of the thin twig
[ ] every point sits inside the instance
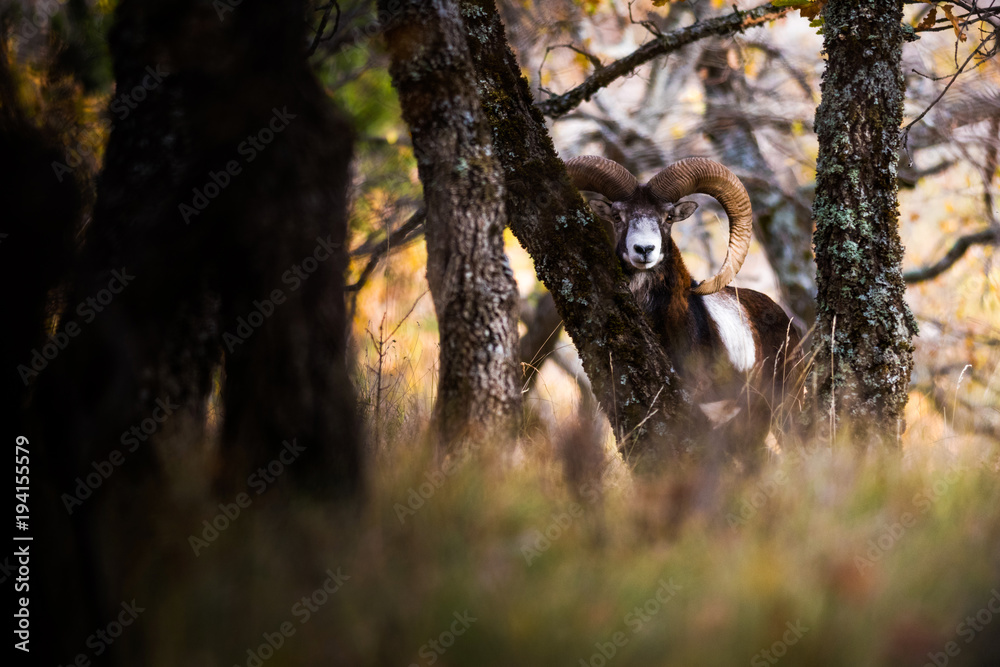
(405, 233)
(833, 383)
(984, 237)
(594, 60)
(906, 130)
(647, 24)
(327, 10)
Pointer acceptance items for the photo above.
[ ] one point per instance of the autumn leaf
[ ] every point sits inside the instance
(929, 20)
(813, 10)
(810, 9)
(954, 22)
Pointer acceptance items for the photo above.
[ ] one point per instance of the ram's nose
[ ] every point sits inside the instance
(644, 251)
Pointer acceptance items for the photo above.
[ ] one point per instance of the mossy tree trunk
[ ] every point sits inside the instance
(864, 327)
(474, 292)
(634, 381)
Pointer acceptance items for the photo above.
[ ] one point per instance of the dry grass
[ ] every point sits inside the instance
(876, 560)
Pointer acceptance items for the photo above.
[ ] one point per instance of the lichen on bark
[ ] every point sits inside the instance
(863, 342)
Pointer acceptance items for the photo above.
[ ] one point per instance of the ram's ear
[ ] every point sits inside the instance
(601, 207)
(683, 210)
(605, 215)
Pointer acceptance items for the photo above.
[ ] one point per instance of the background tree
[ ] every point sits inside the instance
(475, 297)
(219, 228)
(863, 350)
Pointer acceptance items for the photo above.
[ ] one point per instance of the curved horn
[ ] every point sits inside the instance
(701, 175)
(589, 172)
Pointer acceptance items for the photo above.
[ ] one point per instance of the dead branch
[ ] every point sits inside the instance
(557, 106)
(984, 237)
(408, 232)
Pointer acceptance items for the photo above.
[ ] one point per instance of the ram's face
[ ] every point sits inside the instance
(642, 227)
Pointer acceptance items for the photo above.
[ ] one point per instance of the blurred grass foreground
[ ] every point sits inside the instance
(823, 557)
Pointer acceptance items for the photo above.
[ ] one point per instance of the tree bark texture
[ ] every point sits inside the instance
(863, 359)
(782, 223)
(244, 287)
(475, 296)
(634, 381)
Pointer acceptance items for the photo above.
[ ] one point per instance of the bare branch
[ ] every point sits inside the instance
(666, 43)
(985, 237)
(906, 130)
(409, 231)
(322, 25)
(594, 60)
(989, 15)
(797, 75)
(647, 24)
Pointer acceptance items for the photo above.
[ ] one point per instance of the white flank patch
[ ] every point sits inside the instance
(731, 320)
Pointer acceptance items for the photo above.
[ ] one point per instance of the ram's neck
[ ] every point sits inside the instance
(663, 292)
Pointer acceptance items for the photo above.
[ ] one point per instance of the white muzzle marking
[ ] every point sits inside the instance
(644, 243)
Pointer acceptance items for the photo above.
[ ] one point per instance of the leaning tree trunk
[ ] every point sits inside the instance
(474, 292)
(863, 342)
(634, 381)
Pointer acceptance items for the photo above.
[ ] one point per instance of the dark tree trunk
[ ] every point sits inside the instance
(864, 329)
(634, 381)
(200, 300)
(474, 292)
(41, 213)
(782, 223)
